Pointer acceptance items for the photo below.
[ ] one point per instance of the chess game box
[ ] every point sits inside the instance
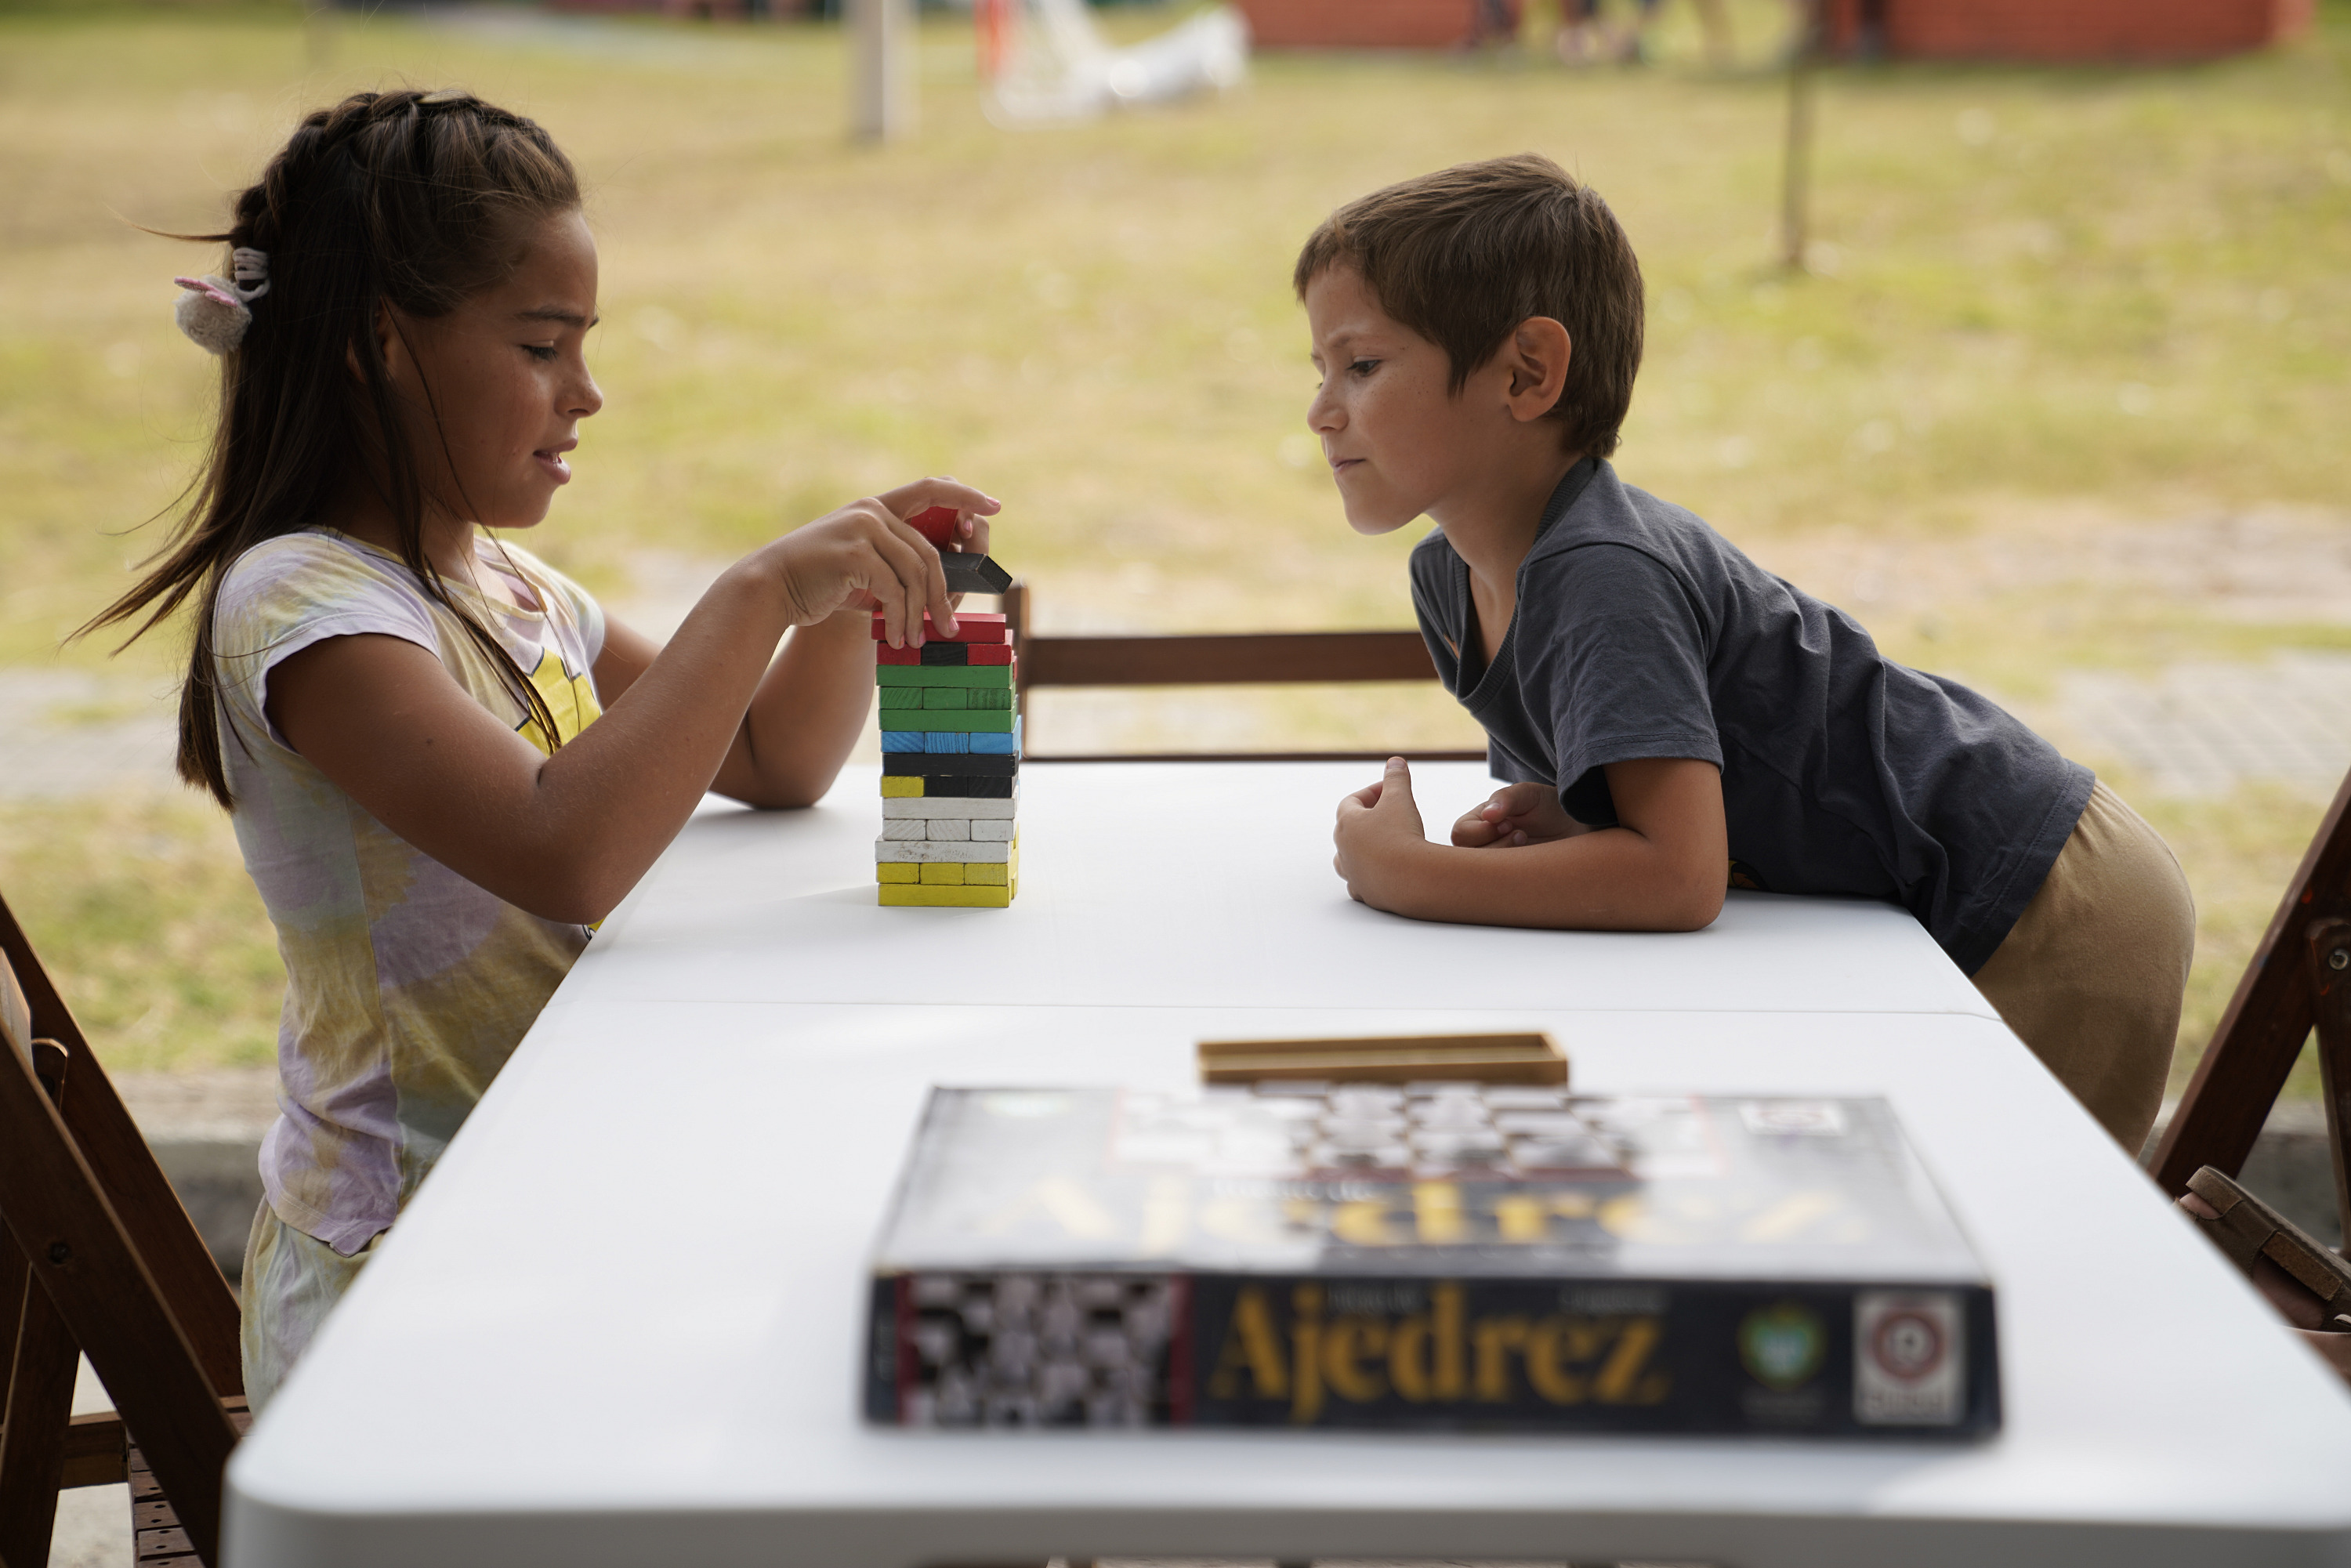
(1425, 1256)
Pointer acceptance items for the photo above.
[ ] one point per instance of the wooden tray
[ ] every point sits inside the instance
(1530, 1058)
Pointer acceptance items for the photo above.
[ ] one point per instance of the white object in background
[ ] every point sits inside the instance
(1059, 67)
(882, 56)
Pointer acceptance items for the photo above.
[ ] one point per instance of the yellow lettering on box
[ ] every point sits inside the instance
(1497, 1337)
(1306, 1341)
(1346, 1345)
(1621, 1381)
(1364, 1222)
(1251, 1347)
(1437, 1206)
(1424, 1352)
(1519, 1218)
(1556, 1345)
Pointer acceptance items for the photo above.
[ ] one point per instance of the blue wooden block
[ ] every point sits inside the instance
(950, 742)
(997, 745)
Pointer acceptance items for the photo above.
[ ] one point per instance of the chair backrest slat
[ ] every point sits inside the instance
(1214, 659)
(123, 1273)
(2261, 1033)
(134, 1185)
(40, 1390)
(79, 1252)
(1256, 658)
(15, 1012)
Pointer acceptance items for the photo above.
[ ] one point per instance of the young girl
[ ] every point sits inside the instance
(404, 714)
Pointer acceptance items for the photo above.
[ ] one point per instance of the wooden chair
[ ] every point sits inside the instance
(100, 1259)
(1262, 658)
(2299, 980)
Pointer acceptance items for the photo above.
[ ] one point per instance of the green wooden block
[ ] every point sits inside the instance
(998, 722)
(902, 696)
(988, 697)
(949, 698)
(992, 675)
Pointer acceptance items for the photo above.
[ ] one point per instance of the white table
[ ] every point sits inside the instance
(621, 1325)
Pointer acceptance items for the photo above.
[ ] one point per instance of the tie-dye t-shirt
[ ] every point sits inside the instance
(407, 985)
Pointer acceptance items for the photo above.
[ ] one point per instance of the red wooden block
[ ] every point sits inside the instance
(937, 524)
(971, 626)
(886, 654)
(991, 654)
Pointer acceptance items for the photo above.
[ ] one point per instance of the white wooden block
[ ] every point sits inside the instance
(905, 829)
(952, 850)
(998, 830)
(952, 805)
(948, 830)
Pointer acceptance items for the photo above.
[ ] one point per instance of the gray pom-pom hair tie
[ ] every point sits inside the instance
(214, 312)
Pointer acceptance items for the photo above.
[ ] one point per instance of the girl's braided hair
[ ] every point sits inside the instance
(415, 199)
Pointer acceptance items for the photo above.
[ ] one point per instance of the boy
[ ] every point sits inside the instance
(1662, 708)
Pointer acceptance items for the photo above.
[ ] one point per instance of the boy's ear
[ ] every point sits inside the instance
(1537, 357)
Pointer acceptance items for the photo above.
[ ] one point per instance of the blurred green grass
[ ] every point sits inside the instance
(145, 918)
(2039, 294)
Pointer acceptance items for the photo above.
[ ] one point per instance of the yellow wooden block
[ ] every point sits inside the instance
(901, 786)
(990, 874)
(941, 874)
(900, 871)
(980, 897)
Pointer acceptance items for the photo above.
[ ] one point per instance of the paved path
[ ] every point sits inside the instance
(66, 734)
(2202, 729)
(2195, 730)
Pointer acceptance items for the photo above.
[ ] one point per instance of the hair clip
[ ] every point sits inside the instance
(214, 312)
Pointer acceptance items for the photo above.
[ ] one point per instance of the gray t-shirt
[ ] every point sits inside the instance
(1642, 632)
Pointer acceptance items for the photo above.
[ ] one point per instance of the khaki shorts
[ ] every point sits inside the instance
(292, 1282)
(2092, 975)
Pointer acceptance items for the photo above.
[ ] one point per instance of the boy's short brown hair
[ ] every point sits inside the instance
(1463, 255)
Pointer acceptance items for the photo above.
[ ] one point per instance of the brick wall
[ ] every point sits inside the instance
(2066, 29)
(1358, 24)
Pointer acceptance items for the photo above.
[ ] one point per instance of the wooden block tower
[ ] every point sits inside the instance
(950, 763)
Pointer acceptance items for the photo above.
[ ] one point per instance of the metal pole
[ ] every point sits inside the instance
(1796, 172)
(881, 69)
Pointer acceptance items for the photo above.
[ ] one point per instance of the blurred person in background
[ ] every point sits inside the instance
(1586, 37)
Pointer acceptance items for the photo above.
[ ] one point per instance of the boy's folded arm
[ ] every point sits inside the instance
(1662, 867)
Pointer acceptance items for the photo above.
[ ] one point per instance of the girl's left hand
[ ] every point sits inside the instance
(867, 557)
(970, 536)
(909, 501)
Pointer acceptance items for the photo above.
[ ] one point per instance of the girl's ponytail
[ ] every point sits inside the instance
(414, 199)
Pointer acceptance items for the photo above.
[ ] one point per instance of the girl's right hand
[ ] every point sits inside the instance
(1514, 816)
(866, 556)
